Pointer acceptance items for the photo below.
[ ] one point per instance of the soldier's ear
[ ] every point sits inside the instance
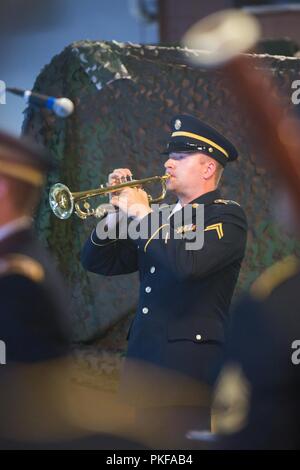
(211, 168)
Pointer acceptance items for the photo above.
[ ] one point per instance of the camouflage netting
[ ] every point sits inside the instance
(125, 96)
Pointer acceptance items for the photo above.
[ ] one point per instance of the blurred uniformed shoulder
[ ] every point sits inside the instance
(231, 400)
(274, 276)
(16, 264)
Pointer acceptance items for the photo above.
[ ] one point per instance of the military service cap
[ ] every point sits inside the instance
(189, 134)
(23, 160)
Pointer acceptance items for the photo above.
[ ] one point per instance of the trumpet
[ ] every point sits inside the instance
(63, 202)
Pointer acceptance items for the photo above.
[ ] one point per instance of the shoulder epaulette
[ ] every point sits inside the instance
(226, 201)
(273, 276)
(23, 266)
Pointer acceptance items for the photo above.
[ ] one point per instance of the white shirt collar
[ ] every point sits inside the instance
(178, 207)
(14, 226)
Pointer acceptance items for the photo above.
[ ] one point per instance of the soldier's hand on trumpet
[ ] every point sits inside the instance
(133, 201)
(119, 175)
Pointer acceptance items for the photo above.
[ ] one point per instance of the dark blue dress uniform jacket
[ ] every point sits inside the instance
(34, 319)
(184, 294)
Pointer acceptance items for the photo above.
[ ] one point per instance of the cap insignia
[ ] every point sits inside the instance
(177, 124)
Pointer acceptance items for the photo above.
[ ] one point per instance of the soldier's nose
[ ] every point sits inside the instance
(169, 163)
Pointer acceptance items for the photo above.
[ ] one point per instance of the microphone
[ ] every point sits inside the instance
(62, 107)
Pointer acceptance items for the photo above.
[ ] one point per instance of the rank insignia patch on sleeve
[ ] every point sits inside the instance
(218, 227)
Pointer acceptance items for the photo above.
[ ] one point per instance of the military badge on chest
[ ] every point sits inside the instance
(186, 228)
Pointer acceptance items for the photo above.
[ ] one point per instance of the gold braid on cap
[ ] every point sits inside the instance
(202, 139)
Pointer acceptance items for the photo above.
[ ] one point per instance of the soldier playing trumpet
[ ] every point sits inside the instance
(184, 294)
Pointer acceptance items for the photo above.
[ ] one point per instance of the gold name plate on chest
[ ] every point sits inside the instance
(186, 228)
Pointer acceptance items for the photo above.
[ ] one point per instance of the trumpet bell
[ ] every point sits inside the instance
(61, 201)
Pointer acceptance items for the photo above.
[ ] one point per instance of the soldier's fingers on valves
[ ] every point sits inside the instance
(119, 175)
